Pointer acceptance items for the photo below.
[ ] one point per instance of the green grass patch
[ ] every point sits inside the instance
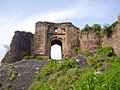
(34, 58)
(12, 73)
(86, 53)
(67, 75)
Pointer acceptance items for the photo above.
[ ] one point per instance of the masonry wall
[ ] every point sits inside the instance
(40, 40)
(114, 40)
(45, 34)
(39, 44)
(89, 40)
(20, 47)
(72, 39)
(59, 35)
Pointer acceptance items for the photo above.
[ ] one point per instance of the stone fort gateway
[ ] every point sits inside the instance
(65, 34)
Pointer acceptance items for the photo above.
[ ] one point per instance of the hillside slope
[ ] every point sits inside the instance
(20, 75)
(99, 70)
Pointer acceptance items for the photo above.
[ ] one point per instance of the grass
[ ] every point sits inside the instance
(57, 75)
(12, 74)
(83, 52)
(101, 57)
(34, 58)
(109, 80)
(55, 66)
(7, 86)
(67, 75)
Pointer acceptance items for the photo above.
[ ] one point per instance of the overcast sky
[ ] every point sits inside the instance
(22, 14)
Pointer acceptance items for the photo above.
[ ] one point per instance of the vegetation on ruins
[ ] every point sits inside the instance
(106, 30)
(34, 58)
(86, 28)
(103, 73)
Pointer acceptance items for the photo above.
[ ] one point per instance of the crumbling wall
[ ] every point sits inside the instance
(20, 47)
(40, 39)
(114, 40)
(25, 43)
(72, 39)
(45, 33)
(89, 40)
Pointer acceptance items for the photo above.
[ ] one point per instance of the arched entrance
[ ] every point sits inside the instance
(56, 49)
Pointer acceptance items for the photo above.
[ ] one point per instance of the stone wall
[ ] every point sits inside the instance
(72, 39)
(39, 44)
(46, 32)
(89, 40)
(114, 40)
(20, 47)
(40, 40)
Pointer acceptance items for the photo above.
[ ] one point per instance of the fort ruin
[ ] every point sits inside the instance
(64, 34)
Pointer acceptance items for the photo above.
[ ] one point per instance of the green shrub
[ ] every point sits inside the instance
(106, 51)
(86, 53)
(51, 67)
(86, 28)
(87, 81)
(96, 27)
(54, 66)
(7, 86)
(101, 57)
(108, 29)
(73, 79)
(57, 74)
(66, 75)
(41, 86)
(12, 74)
(69, 64)
(34, 58)
(76, 51)
(110, 80)
(29, 57)
(91, 61)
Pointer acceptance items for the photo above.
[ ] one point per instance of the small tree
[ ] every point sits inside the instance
(7, 47)
(96, 27)
(108, 29)
(86, 28)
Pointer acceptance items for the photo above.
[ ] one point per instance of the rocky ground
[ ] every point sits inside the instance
(20, 75)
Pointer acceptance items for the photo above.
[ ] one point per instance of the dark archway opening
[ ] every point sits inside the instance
(56, 49)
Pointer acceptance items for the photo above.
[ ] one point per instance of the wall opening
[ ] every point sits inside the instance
(56, 50)
(56, 30)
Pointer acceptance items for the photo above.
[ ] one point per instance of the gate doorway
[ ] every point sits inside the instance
(56, 49)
